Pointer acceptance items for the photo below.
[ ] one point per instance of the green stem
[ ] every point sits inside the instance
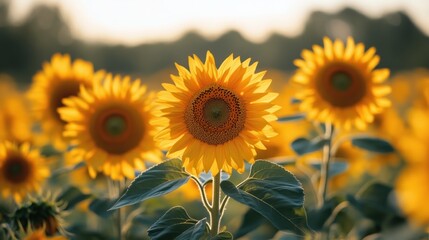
(215, 209)
(334, 214)
(223, 205)
(119, 186)
(114, 190)
(120, 224)
(202, 194)
(324, 172)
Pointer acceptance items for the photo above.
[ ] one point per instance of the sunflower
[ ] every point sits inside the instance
(214, 118)
(412, 192)
(15, 122)
(280, 146)
(340, 84)
(21, 170)
(110, 128)
(81, 178)
(59, 79)
(42, 212)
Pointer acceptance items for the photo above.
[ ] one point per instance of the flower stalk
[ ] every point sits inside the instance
(324, 172)
(215, 209)
(114, 191)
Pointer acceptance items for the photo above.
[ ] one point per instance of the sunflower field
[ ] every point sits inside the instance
(338, 151)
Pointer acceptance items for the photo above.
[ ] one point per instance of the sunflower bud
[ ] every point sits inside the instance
(40, 214)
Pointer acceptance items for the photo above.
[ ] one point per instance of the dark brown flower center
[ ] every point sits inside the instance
(115, 125)
(216, 111)
(61, 90)
(341, 81)
(116, 128)
(342, 85)
(215, 115)
(16, 169)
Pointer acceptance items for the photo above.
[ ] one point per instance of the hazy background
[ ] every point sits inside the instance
(145, 38)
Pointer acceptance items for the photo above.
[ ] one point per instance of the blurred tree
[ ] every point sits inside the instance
(24, 47)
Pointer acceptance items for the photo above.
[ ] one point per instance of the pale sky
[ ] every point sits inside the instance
(137, 21)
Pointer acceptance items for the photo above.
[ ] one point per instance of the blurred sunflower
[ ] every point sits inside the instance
(214, 118)
(81, 178)
(40, 213)
(411, 187)
(22, 170)
(408, 88)
(359, 164)
(416, 135)
(110, 127)
(340, 84)
(280, 146)
(15, 122)
(412, 192)
(58, 80)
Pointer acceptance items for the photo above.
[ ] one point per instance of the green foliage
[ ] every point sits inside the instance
(72, 196)
(198, 231)
(303, 146)
(177, 224)
(374, 202)
(336, 166)
(100, 206)
(373, 144)
(251, 220)
(174, 223)
(49, 151)
(156, 181)
(274, 193)
(292, 118)
(255, 226)
(223, 236)
(335, 213)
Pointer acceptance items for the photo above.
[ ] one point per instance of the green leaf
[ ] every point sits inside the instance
(402, 231)
(291, 118)
(374, 202)
(223, 236)
(274, 193)
(295, 100)
(303, 146)
(49, 151)
(173, 223)
(198, 231)
(287, 236)
(100, 206)
(373, 144)
(156, 181)
(317, 216)
(251, 221)
(72, 196)
(336, 166)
